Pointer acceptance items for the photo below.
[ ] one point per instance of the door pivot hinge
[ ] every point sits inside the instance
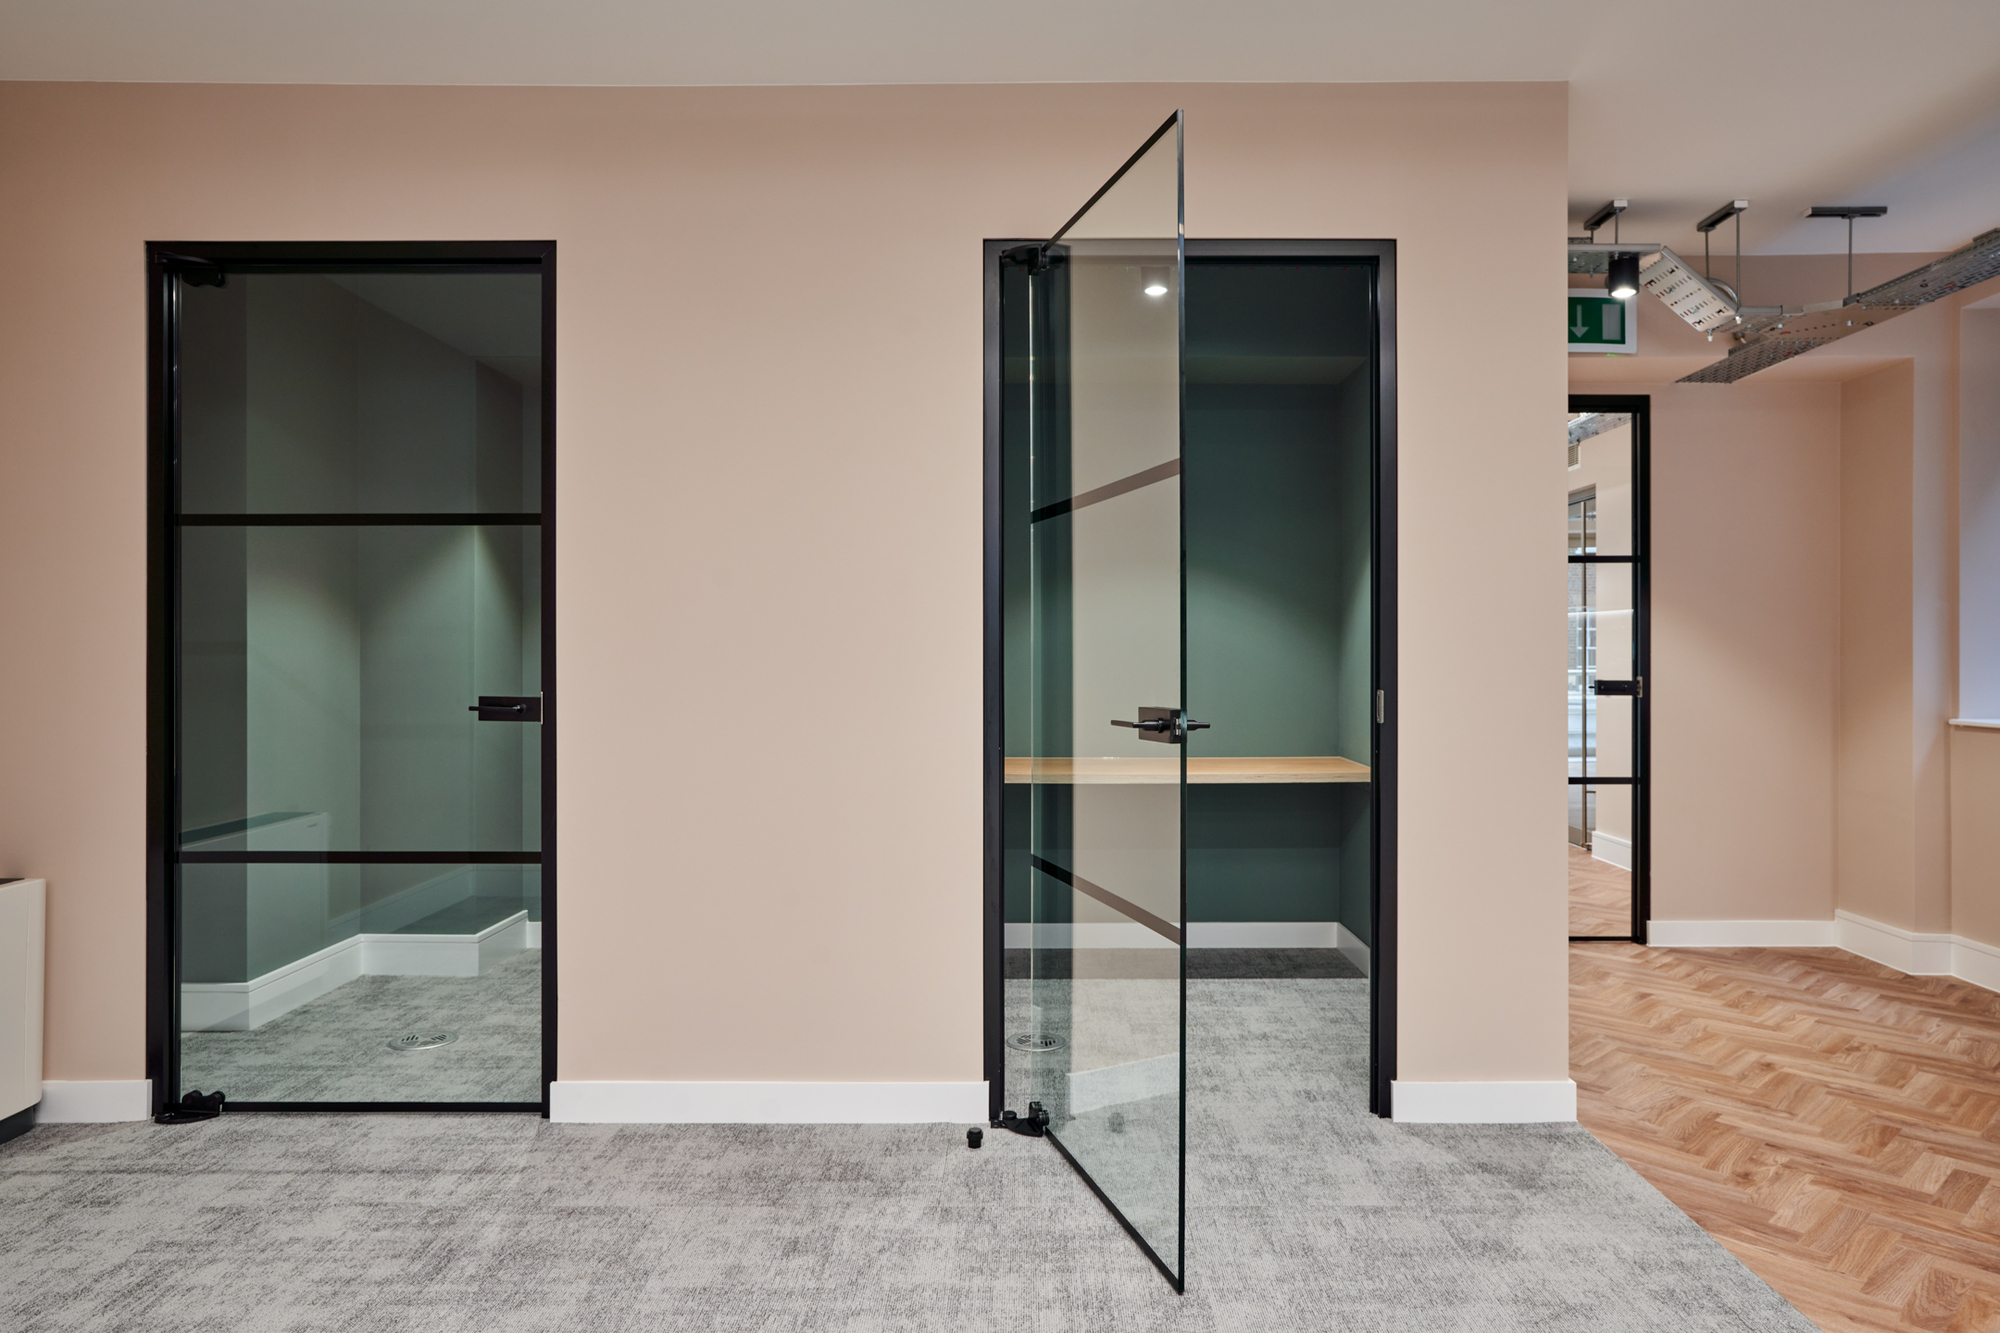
(196, 1105)
(1381, 707)
(1033, 257)
(1035, 1124)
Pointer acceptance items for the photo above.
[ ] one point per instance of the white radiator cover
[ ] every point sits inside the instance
(23, 913)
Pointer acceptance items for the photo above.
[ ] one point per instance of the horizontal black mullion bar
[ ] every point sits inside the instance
(1109, 491)
(362, 858)
(1159, 925)
(1603, 559)
(1602, 939)
(1601, 782)
(358, 520)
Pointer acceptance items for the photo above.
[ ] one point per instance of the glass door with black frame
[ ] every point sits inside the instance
(1097, 1008)
(359, 655)
(1603, 676)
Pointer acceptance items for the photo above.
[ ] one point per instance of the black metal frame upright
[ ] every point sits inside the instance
(1639, 406)
(1381, 257)
(166, 262)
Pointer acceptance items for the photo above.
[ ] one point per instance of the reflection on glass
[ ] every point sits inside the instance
(360, 564)
(1103, 996)
(297, 979)
(361, 393)
(331, 669)
(1601, 663)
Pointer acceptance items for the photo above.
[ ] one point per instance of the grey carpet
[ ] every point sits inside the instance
(1250, 964)
(1305, 1213)
(334, 1049)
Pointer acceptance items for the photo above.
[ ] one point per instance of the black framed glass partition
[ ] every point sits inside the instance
(353, 660)
(1608, 654)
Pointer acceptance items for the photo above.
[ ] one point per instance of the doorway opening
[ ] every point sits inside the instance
(351, 749)
(1609, 654)
(1130, 882)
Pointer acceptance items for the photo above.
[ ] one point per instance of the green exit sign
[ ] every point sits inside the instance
(1602, 324)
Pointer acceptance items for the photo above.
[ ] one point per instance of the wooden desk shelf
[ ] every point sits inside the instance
(1164, 770)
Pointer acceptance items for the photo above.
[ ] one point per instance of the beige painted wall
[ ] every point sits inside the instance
(1899, 612)
(1872, 458)
(769, 425)
(1975, 834)
(1745, 545)
(1876, 804)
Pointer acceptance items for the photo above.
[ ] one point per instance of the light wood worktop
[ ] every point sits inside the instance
(1166, 769)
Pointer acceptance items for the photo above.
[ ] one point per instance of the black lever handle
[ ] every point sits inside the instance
(1150, 724)
(1193, 725)
(507, 708)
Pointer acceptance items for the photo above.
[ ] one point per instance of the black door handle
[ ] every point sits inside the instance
(1193, 725)
(507, 708)
(1150, 724)
(1631, 687)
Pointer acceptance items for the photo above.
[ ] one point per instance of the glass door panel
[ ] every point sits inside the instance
(359, 602)
(1104, 991)
(1604, 677)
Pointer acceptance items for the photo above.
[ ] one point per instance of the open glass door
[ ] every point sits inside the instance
(1100, 1048)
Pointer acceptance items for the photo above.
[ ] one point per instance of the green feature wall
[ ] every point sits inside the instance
(1276, 464)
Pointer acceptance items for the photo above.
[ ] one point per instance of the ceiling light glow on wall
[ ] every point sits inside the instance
(1623, 281)
(1153, 281)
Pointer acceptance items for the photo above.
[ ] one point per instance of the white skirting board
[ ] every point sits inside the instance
(676, 1103)
(1499, 1103)
(93, 1102)
(1892, 946)
(240, 1006)
(1740, 934)
(1611, 849)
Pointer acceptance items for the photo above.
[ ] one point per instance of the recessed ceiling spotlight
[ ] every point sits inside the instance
(1153, 281)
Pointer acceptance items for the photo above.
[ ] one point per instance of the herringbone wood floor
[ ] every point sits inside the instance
(1600, 896)
(1834, 1123)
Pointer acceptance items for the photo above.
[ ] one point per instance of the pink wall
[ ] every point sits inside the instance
(1746, 533)
(1876, 800)
(1807, 578)
(770, 495)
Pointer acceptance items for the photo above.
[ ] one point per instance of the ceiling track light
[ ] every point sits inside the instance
(1607, 212)
(1622, 279)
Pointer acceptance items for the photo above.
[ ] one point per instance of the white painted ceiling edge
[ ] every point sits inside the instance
(1676, 106)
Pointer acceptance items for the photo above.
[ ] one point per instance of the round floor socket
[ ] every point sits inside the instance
(422, 1041)
(1036, 1042)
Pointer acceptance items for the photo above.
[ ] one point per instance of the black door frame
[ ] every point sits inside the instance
(1640, 407)
(165, 261)
(1382, 971)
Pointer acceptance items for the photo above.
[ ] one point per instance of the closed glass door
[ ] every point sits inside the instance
(1607, 675)
(358, 571)
(1098, 1022)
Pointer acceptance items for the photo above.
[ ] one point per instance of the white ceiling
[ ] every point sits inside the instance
(1677, 106)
